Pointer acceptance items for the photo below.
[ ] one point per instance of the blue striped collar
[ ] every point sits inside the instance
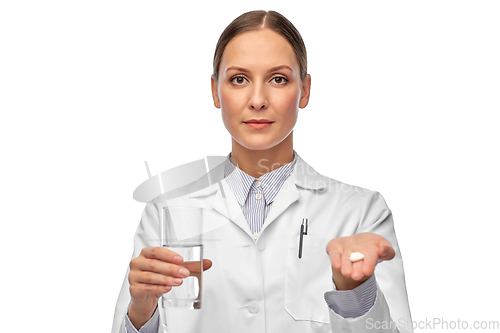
(242, 183)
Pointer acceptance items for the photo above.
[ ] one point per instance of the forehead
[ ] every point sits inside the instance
(261, 48)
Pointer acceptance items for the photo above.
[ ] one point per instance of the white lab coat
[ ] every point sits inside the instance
(260, 285)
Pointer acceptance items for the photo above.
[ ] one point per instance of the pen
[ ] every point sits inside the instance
(303, 231)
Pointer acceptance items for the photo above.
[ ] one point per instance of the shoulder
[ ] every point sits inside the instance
(348, 193)
(327, 191)
(305, 176)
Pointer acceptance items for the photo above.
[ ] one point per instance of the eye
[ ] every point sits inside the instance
(279, 80)
(238, 80)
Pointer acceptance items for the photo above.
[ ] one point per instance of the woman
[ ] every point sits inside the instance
(258, 282)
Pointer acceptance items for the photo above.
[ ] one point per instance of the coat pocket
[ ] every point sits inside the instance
(307, 279)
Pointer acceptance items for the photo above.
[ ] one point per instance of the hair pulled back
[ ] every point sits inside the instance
(260, 19)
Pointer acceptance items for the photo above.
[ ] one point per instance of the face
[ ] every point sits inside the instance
(259, 90)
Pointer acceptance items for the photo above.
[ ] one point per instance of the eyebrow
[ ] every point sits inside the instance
(244, 70)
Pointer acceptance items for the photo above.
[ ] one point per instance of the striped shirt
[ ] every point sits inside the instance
(256, 195)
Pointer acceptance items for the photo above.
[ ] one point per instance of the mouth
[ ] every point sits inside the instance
(258, 123)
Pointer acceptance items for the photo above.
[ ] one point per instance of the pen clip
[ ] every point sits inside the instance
(305, 223)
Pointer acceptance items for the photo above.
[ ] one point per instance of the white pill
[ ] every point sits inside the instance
(356, 256)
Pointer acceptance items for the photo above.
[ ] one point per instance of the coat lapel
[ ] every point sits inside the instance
(221, 198)
(226, 204)
(302, 176)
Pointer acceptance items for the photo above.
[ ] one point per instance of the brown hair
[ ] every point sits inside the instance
(260, 19)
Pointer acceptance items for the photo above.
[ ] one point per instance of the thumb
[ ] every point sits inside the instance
(385, 251)
(207, 264)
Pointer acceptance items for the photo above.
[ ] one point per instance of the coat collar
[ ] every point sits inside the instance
(224, 201)
(306, 177)
(303, 175)
(271, 182)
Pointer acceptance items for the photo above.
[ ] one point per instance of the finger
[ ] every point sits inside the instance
(193, 266)
(140, 289)
(163, 254)
(207, 264)
(386, 252)
(158, 266)
(150, 278)
(369, 263)
(346, 265)
(357, 270)
(336, 260)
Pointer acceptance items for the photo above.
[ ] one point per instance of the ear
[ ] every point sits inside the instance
(215, 92)
(306, 91)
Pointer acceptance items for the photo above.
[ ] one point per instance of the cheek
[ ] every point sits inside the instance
(230, 104)
(287, 101)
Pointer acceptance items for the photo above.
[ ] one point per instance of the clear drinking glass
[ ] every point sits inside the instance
(181, 230)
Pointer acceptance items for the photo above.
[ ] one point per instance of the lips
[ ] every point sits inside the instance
(258, 124)
(259, 121)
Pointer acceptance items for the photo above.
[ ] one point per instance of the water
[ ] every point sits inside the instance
(188, 294)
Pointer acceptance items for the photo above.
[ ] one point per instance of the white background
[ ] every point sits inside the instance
(405, 98)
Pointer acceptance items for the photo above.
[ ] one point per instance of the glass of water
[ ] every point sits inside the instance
(181, 230)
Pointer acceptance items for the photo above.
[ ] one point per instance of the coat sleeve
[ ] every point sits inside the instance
(147, 235)
(390, 312)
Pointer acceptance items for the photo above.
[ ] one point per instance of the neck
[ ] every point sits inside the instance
(259, 162)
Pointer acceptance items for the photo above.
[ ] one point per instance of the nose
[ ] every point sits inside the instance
(258, 97)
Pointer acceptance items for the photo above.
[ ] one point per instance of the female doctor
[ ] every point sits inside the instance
(255, 281)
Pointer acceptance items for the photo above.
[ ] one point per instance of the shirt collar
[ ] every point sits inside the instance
(242, 183)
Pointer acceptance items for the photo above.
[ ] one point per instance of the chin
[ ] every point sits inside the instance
(256, 145)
